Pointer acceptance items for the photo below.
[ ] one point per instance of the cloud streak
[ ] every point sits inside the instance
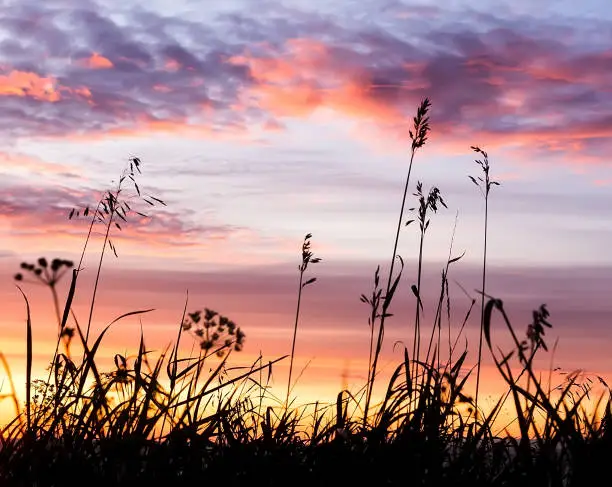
(35, 213)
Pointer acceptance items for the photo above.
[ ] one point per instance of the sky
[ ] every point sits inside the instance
(259, 122)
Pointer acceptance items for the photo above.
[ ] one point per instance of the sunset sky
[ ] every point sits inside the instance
(260, 121)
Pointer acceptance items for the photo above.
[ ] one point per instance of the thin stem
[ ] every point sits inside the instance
(399, 221)
(89, 232)
(371, 350)
(374, 304)
(59, 338)
(75, 276)
(295, 327)
(482, 299)
(99, 270)
(112, 202)
(416, 344)
(381, 328)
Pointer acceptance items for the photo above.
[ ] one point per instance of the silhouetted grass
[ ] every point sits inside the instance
(190, 420)
(484, 185)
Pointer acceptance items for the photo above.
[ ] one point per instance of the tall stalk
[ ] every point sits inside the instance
(484, 185)
(374, 303)
(425, 204)
(111, 209)
(418, 135)
(307, 258)
(110, 206)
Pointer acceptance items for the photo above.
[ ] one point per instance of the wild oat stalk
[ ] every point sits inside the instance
(112, 208)
(307, 258)
(484, 185)
(418, 135)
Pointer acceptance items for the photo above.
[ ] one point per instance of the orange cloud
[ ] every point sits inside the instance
(97, 61)
(32, 85)
(356, 99)
(306, 77)
(297, 100)
(28, 84)
(266, 69)
(83, 91)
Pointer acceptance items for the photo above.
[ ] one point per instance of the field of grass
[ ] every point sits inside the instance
(196, 420)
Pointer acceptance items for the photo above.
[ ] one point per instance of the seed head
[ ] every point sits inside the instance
(420, 129)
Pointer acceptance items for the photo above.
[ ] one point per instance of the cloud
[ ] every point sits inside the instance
(501, 85)
(493, 81)
(97, 61)
(26, 84)
(306, 75)
(158, 79)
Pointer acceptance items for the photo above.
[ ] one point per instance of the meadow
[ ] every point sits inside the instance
(189, 419)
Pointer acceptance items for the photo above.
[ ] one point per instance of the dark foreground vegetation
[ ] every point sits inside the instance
(196, 420)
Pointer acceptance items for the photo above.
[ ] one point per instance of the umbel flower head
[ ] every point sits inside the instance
(49, 274)
(213, 330)
(43, 272)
